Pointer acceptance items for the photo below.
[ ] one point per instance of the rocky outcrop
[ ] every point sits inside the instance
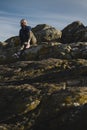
(45, 89)
(73, 32)
(44, 51)
(46, 94)
(46, 33)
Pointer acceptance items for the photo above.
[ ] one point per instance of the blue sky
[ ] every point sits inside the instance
(57, 13)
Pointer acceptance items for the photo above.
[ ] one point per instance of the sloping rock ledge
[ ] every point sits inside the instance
(46, 89)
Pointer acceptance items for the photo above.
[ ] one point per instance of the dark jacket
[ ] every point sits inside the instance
(24, 34)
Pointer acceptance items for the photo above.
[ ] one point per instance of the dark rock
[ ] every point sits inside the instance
(46, 89)
(69, 33)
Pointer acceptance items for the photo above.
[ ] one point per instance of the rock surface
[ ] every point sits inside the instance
(46, 89)
(71, 33)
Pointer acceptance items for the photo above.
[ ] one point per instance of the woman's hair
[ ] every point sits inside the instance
(23, 21)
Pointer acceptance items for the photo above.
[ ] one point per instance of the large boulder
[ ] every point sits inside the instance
(46, 33)
(13, 41)
(72, 32)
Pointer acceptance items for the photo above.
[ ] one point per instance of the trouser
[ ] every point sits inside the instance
(32, 41)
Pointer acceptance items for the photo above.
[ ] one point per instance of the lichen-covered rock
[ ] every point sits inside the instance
(13, 41)
(45, 89)
(46, 33)
(63, 110)
(33, 94)
(44, 51)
